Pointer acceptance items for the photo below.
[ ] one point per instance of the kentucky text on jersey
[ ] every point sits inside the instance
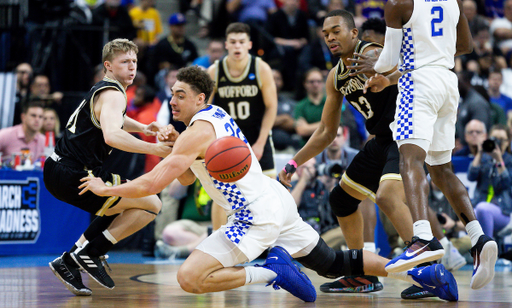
(238, 91)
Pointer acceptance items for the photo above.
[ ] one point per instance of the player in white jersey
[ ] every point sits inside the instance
(425, 35)
(262, 214)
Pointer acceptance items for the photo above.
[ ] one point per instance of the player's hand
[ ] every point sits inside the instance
(285, 175)
(376, 83)
(162, 149)
(362, 64)
(257, 148)
(93, 184)
(168, 133)
(152, 128)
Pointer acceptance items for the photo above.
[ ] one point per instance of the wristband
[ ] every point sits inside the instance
(290, 167)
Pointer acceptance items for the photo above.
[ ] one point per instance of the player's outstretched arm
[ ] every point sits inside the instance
(111, 105)
(194, 143)
(323, 135)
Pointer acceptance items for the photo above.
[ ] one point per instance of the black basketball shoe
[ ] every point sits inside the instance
(353, 284)
(70, 276)
(93, 266)
(414, 292)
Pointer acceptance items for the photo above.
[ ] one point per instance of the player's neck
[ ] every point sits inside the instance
(111, 76)
(237, 67)
(349, 55)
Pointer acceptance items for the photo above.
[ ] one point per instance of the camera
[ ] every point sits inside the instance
(490, 144)
(333, 169)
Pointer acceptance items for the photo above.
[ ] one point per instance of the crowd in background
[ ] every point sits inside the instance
(54, 67)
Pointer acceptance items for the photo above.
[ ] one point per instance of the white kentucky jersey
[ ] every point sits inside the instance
(430, 35)
(236, 195)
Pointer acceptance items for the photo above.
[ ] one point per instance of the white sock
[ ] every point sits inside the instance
(422, 230)
(370, 246)
(78, 244)
(110, 237)
(474, 231)
(403, 276)
(255, 274)
(445, 242)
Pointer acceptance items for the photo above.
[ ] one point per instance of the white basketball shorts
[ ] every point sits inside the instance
(426, 107)
(275, 222)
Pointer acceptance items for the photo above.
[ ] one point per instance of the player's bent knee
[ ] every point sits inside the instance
(342, 204)
(187, 279)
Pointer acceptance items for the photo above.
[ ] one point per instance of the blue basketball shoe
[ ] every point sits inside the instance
(417, 251)
(437, 280)
(289, 276)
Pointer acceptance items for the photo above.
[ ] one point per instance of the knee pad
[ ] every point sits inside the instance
(342, 204)
(333, 264)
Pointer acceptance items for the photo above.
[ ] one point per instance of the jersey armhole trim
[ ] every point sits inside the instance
(257, 70)
(91, 105)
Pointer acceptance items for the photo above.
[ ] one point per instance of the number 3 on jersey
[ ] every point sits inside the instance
(437, 12)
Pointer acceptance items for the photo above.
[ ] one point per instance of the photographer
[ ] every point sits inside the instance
(312, 198)
(492, 169)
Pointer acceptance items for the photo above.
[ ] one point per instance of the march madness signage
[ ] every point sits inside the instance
(20, 220)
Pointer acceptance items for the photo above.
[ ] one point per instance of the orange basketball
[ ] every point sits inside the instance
(228, 159)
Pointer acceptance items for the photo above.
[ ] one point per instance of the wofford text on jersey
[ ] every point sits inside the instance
(238, 91)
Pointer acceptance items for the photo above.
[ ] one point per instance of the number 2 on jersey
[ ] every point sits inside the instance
(437, 19)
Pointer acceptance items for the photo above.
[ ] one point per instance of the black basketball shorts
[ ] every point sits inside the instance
(62, 181)
(378, 160)
(267, 159)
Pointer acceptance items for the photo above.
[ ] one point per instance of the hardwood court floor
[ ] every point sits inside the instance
(155, 285)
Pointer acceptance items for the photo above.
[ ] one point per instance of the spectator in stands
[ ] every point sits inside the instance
(23, 79)
(474, 134)
(215, 51)
(318, 9)
(98, 75)
(366, 9)
(51, 123)
(115, 17)
(497, 97)
(338, 150)
(312, 199)
(473, 105)
(308, 111)
(501, 28)
(283, 130)
(255, 14)
(148, 23)
(181, 236)
(144, 109)
(25, 135)
(168, 81)
(290, 31)
(506, 87)
(174, 49)
(492, 170)
(40, 88)
(476, 22)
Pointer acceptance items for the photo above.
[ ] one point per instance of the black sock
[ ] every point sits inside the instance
(99, 246)
(69, 261)
(73, 249)
(98, 225)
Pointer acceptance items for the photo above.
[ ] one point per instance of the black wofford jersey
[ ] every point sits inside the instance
(241, 96)
(83, 139)
(377, 108)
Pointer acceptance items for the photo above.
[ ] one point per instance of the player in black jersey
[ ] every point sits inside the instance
(374, 172)
(244, 87)
(98, 125)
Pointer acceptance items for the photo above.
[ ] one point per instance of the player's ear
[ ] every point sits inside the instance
(250, 44)
(355, 33)
(107, 65)
(201, 98)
